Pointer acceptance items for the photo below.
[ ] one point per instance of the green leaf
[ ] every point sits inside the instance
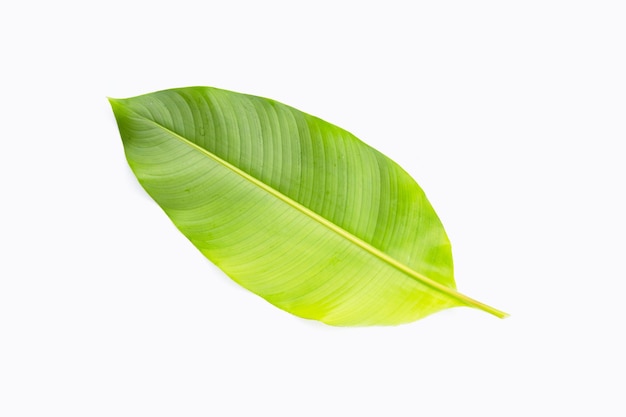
(293, 208)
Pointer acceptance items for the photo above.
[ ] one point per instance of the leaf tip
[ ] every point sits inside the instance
(117, 105)
(113, 101)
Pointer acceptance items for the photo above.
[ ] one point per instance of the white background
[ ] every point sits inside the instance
(511, 115)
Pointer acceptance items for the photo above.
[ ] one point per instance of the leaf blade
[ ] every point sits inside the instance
(334, 298)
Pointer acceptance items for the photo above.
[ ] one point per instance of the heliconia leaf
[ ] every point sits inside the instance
(293, 208)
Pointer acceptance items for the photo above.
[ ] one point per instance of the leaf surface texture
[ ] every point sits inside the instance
(293, 208)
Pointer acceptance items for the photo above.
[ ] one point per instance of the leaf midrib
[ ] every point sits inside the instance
(333, 227)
